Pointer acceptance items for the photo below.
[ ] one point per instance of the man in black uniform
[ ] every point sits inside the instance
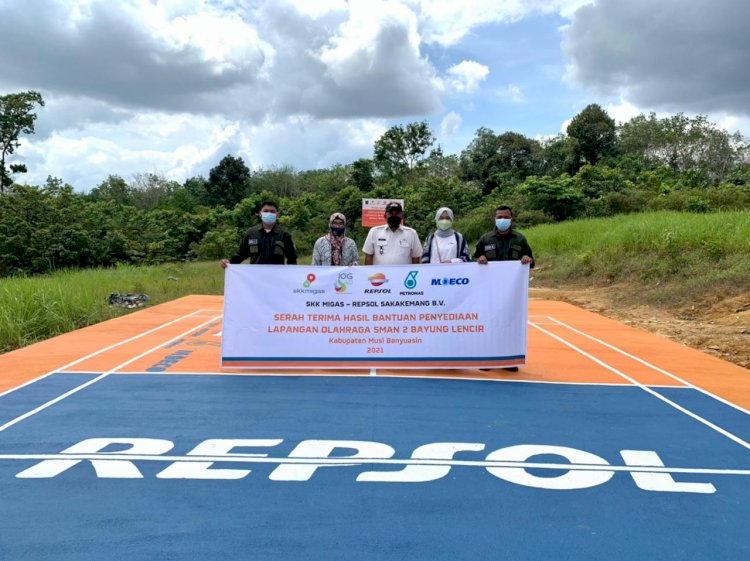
(267, 243)
(503, 244)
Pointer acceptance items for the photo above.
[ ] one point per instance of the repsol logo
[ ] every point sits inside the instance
(120, 458)
(168, 361)
(449, 282)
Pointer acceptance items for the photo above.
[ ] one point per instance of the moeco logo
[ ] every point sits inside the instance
(449, 281)
(518, 464)
(378, 279)
(342, 282)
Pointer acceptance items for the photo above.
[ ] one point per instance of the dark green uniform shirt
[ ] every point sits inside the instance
(510, 246)
(266, 248)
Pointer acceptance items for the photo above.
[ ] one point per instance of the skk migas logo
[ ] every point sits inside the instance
(310, 279)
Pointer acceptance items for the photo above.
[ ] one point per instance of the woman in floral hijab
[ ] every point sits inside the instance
(335, 248)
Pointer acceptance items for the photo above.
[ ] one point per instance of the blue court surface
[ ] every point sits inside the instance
(224, 467)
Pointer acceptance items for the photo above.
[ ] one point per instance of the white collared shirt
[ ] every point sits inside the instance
(392, 248)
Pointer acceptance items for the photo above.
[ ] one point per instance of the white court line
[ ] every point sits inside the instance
(657, 395)
(250, 459)
(95, 380)
(652, 366)
(105, 349)
(364, 374)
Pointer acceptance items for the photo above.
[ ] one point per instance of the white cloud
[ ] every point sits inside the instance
(372, 66)
(466, 76)
(325, 142)
(513, 93)
(319, 8)
(447, 21)
(623, 111)
(175, 145)
(179, 146)
(450, 124)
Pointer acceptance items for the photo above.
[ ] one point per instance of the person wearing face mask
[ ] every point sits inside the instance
(503, 244)
(267, 243)
(392, 243)
(445, 245)
(335, 248)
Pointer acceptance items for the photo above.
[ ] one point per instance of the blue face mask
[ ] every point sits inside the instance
(502, 224)
(268, 217)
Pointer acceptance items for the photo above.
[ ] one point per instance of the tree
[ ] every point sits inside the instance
(361, 174)
(557, 197)
(16, 117)
(595, 132)
(114, 189)
(228, 182)
(559, 155)
(495, 159)
(401, 150)
(151, 190)
(684, 144)
(280, 181)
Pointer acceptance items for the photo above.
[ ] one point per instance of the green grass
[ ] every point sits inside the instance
(36, 308)
(665, 258)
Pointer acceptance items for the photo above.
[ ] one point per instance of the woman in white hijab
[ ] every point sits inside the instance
(445, 245)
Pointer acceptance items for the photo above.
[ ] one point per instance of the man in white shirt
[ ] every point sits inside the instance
(392, 243)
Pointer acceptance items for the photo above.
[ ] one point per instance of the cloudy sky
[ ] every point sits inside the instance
(170, 87)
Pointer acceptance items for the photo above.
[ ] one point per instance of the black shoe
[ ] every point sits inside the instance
(511, 369)
(485, 369)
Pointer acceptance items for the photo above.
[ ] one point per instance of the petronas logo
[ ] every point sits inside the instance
(410, 281)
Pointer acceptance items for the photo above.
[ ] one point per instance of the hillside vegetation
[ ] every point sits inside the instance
(688, 269)
(599, 169)
(666, 258)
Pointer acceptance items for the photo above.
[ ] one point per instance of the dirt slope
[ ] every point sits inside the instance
(720, 327)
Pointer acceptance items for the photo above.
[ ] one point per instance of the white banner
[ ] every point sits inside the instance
(404, 316)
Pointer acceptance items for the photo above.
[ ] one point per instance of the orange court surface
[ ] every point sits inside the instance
(565, 344)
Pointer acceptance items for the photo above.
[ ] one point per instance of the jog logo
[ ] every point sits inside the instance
(576, 469)
(342, 282)
(378, 279)
(449, 281)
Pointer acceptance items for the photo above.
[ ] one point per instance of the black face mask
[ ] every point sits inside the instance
(337, 231)
(394, 221)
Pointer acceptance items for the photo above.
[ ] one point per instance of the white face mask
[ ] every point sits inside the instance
(444, 224)
(502, 224)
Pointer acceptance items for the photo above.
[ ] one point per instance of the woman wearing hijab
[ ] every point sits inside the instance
(445, 245)
(335, 248)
